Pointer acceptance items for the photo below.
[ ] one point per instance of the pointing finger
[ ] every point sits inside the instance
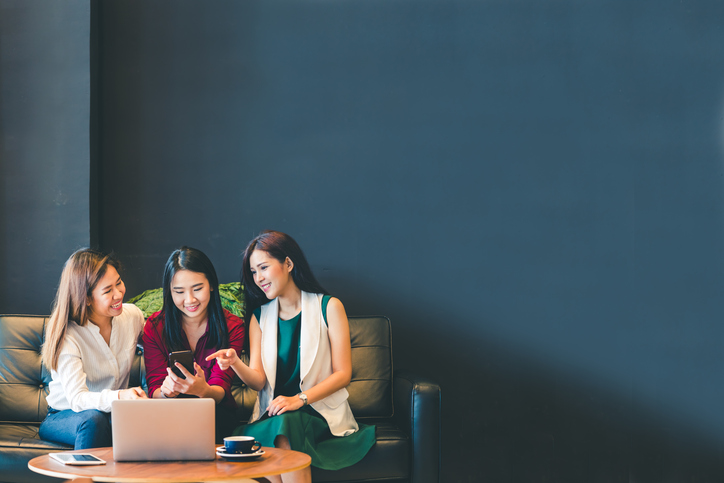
(215, 355)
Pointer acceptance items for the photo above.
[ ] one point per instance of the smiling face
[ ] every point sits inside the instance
(107, 297)
(271, 275)
(191, 293)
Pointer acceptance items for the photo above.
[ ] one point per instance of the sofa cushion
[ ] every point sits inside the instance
(16, 435)
(387, 460)
(19, 444)
(23, 379)
(370, 391)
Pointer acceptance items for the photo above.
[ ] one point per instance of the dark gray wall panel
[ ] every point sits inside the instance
(44, 153)
(531, 191)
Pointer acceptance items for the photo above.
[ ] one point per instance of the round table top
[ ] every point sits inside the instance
(274, 461)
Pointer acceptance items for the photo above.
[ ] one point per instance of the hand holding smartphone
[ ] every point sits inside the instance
(185, 358)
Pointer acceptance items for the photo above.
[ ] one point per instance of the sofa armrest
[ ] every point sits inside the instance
(138, 370)
(417, 412)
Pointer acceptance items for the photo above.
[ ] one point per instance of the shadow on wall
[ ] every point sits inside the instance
(522, 422)
(511, 417)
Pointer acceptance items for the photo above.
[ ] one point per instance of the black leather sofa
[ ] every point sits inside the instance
(405, 408)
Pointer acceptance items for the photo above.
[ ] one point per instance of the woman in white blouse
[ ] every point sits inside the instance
(90, 342)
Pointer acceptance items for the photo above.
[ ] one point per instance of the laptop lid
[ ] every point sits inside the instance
(163, 429)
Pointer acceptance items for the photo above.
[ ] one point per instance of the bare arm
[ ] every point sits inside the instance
(253, 374)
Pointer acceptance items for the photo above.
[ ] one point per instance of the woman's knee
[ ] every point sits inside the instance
(94, 431)
(95, 421)
(282, 442)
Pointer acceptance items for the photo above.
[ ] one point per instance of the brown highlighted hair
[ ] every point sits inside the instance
(280, 246)
(81, 274)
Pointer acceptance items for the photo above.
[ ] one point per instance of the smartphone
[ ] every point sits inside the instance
(185, 358)
(80, 459)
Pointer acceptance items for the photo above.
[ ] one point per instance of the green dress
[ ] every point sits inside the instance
(306, 429)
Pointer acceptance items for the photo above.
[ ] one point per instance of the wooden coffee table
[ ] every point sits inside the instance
(274, 461)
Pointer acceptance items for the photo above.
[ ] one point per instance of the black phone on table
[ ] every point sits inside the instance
(185, 358)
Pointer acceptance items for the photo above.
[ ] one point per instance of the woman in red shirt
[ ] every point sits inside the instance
(192, 319)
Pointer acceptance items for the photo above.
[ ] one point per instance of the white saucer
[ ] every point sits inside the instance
(221, 451)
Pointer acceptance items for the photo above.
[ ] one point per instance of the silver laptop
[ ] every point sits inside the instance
(163, 429)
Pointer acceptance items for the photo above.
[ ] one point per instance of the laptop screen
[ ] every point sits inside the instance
(163, 429)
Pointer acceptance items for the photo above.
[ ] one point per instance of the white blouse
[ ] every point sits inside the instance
(90, 372)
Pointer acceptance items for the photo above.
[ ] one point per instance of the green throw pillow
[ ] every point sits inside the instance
(232, 299)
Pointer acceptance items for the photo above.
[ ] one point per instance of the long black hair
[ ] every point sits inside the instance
(279, 246)
(193, 260)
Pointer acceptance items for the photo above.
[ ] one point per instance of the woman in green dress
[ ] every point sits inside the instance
(299, 360)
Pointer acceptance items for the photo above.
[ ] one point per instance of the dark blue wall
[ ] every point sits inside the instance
(531, 191)
(44, 147)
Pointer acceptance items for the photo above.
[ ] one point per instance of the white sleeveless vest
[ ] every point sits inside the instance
(315, 363)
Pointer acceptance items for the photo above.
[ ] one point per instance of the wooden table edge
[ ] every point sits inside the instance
(43, 471)
(119, 479)
(102, 479)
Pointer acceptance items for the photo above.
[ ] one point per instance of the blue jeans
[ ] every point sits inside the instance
(86, 429)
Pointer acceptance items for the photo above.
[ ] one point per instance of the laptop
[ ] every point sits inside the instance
(163, 429)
